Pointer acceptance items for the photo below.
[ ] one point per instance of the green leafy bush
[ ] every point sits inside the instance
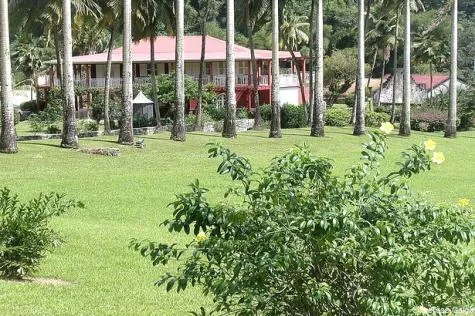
(242, 114)
(295, 239)
(293, 116)
(216, 113)
(25, 232)
(337, 117)
(266, 112)
(429, 120)
(88, 125)
(375, 119)
(54, 128)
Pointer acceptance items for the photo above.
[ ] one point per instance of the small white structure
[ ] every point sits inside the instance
(421, 87)
(143, 106)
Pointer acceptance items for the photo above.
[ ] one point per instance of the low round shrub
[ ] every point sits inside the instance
(337, 117)
(266, 111)
(293, 116)
(88, 125)
(54, 128)
(242, 114)
(375, 119)
(428, 121)
(217, 113)
(25, 232)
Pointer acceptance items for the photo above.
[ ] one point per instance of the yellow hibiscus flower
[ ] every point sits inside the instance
(464, 202)
(429, 144)
(438, 158)
(201, 237)
(386, 128)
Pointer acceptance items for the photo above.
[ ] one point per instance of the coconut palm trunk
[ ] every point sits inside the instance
(395, 56)
(59, 59)
(179, 131)
(360, 90)
(199, 107)
(451, 127)
(275, 127)
(126, 134)
(69, 136)
(311, 44)
(7, 135)
(258, 122)
(153, 70)
(107, 86)
(318, 122)
(229, 127)
(299, 77)
(405, 124)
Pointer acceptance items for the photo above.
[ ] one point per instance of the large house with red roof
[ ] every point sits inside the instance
(90, 70)
(422, 85)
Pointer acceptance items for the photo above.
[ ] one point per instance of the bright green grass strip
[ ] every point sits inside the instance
(127, 197)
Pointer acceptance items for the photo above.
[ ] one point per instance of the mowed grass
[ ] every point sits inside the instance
(126, 197)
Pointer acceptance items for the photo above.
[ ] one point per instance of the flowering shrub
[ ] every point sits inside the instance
(294, 239)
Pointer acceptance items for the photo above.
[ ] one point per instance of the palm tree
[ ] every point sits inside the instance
(395, 64)
(110, 15)
(451, 126)
(8, 135)
(206, 9)
(229, 127)
(147, 16)
(292, 35)
(311, 44)
(126, 134)
(178, 130)
(360, 90)
(275, 127)
(405, 124)
(69, 135)
(318, 122)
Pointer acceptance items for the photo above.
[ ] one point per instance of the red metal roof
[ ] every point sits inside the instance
(165, 51)
(424, 80)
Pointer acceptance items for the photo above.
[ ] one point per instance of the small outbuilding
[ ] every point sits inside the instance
(143, 106)
(421, 87)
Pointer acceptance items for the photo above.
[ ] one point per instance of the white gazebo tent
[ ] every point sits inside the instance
(143, 106)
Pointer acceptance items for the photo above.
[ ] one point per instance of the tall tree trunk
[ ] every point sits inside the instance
(154, 82)
(451, 127)
(199, 107)
(311, 65)
(431, 84)
(229, 127)
(126, 134)
(7, 134)
(107, 86)
(360, 90)
(59, 60)
(69, 137)
(405, 124)
(258, 122)
(275, 127)
(299, 77)
(373, 65)
(318, 123)
(381, 84)
(179, 130)
(396, 36)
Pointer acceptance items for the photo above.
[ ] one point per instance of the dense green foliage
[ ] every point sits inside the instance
(293, 116)
(25, 231)
(294, 239)
(337, 116)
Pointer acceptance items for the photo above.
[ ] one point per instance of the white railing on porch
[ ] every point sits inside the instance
(285, 80)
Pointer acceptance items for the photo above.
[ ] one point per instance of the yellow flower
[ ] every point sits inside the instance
(386, 128)
(201, 237)
(438, 158)
(429, 144)
(464, 202)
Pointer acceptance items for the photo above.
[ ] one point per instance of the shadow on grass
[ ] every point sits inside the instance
(38, 143)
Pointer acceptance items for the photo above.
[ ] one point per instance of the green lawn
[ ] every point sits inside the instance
(127, 197)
